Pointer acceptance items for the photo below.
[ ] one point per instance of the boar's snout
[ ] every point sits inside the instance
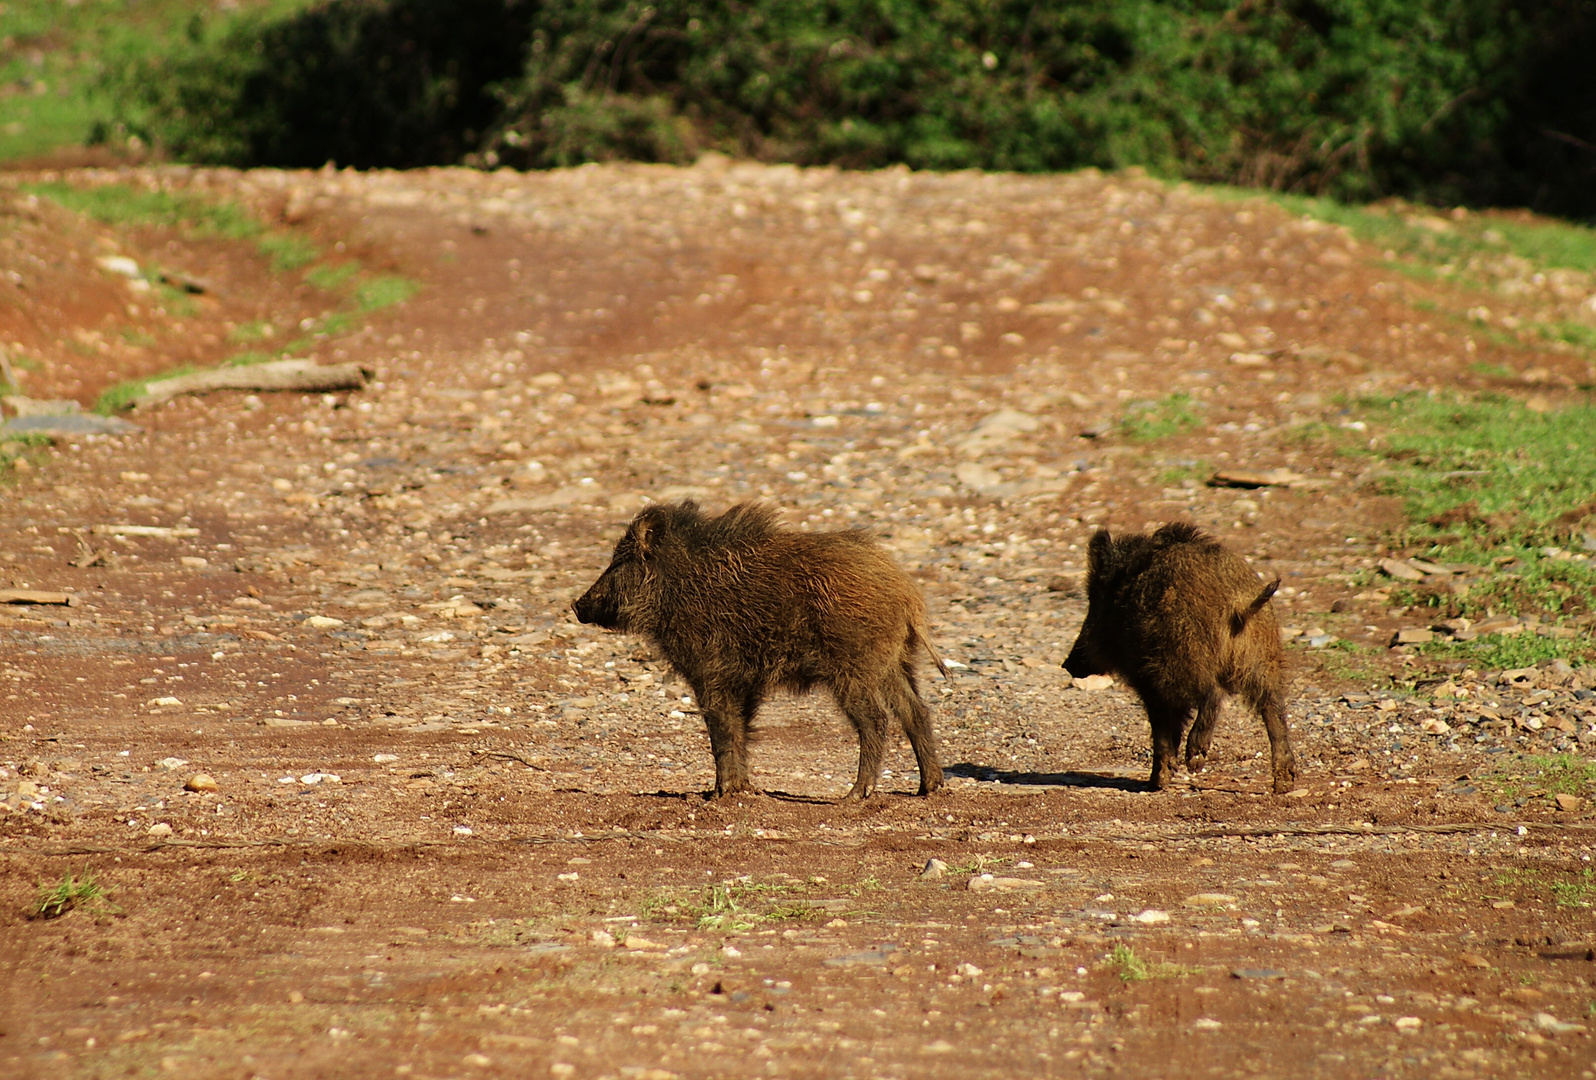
(1082, 661)
(597, 606)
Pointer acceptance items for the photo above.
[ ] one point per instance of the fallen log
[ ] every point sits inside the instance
(304, 376)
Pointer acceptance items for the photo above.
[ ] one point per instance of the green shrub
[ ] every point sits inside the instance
(1444, 100)
(366, 83)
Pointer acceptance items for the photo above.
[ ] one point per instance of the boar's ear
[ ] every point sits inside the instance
(643, 537)
(1099, 553)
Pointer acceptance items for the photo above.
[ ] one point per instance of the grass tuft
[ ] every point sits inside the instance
(119, 204)
(381, 292)
(56, 900)
(122, 395)
(1145, 421)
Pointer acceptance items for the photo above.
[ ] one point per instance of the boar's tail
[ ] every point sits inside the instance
(917, 634)
(1239, 621)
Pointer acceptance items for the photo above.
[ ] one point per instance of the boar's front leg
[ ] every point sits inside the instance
(727, 719)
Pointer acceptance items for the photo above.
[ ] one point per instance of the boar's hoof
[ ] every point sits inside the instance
(858, 794)
(731, 790)
(1285, 781)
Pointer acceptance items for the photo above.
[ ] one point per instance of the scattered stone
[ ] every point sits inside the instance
(1408, 1023)
(323, 622)
(1208, 899)
(1150, 917)
(68, 426)
(1234, 478)
(933, 869)
(1473, 960)
(1257, 973)
(989, 883)
(1206, 1023)
(202, 782)
(1401, 570)
(1412, 637)
(1094, 683)
(159, 830)
(1435, 726)
(1569, 803)
(36, 596)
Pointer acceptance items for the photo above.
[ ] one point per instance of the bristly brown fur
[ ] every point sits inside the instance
(1185, 622)
(741, 607)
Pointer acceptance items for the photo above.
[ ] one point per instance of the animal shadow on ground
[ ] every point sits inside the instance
(1071, 778)
(709, 796)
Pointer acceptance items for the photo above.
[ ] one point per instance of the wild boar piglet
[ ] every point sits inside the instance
(1185, 622)
(740, 607)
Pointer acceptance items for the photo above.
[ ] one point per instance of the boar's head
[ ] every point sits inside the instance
(627, 595)
(1105, 562)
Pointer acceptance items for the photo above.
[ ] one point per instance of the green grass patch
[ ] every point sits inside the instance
(385, 291)
(58, 899)
(249, 358)
(1124, 962)
(251, 332)
(1491, 482)
(1492, 651)
(120, 396)
(1145, 421)
(332, 276)
(732, 906)
(17, 446)
(1580, 335)
(288, 251)
(120, 204)
(1439, 242)
(1577, 891)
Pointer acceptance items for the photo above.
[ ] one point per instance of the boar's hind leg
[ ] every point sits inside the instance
(913, 713)
(867, 712)
(1283, 763)
(1201, 735)
(1168, 721)
(727, 719)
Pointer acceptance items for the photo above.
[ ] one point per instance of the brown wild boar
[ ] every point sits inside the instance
(1185, 621)
(740, 608)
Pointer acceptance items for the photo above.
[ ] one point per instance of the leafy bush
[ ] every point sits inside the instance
(1447, 100)
(366, 83)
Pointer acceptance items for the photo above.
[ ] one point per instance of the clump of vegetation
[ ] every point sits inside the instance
(56, 900)
(120, 204)
(1492, 482)
(1145, 421)
(732, 906)
(1440, 100)
(1124, 962)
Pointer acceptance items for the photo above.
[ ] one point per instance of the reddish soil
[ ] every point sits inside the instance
(455, 833)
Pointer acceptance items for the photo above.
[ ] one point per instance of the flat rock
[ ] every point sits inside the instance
(1243, 478)
(1401, 569)
(68, 426)
(989, 883)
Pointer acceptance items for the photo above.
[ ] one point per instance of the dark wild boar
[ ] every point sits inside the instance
(1184, 621)
(740, 608)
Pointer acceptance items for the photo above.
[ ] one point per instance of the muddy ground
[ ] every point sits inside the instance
(454, 833)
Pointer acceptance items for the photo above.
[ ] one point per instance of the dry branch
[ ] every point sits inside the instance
(305, 376)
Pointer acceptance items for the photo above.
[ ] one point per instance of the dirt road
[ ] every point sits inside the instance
(454, 833)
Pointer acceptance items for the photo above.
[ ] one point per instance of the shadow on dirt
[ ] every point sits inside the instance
(1048, 779)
